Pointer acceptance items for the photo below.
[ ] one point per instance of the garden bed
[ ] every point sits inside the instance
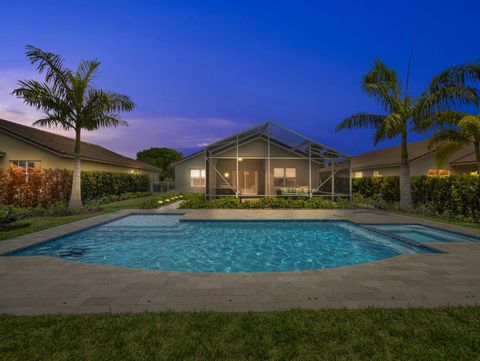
(198, 202)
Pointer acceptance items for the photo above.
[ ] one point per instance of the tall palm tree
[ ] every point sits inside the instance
(70, 101)
(404, 114)
(456, 130)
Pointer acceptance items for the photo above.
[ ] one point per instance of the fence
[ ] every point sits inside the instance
(164, 186)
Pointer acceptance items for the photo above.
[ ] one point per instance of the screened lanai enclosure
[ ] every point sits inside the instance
(269, 160)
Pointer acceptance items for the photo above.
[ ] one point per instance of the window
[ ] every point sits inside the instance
(357, 174)
(25, 164)
(290, 177)
(376, 173)
(197, 177)
(284, 177)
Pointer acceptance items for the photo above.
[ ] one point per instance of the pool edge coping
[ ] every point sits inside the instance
(24, 241)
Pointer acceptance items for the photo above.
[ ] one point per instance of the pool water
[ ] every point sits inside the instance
(163, 242)
(420, 233)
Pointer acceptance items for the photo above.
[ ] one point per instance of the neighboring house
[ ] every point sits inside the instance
(265, 160)
(386, 162)
(31, 147)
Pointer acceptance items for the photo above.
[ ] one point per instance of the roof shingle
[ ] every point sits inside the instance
(391, 156)
(64, 146)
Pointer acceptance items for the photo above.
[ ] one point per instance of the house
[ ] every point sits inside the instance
(265, 160)
(386, 162)
(27, 147)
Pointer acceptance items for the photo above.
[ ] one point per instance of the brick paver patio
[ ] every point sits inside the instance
(34, 285)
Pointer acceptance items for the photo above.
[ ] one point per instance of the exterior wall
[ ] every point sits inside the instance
(302, 172)
(419, 166)
(16, 149)
(230, 166)
(465, 169)
(254, 148)
(259, 148)
(182, 174)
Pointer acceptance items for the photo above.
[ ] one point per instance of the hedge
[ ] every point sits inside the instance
(456, 196)
(50, 186)
(193, 201)
(99, 184)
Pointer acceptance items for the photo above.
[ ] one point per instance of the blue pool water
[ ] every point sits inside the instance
(420, 233)
(162, 242)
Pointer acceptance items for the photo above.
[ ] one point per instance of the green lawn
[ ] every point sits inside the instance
(371, 334)
(35, 224)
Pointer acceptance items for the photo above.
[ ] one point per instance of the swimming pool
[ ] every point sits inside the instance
(419, 233)
(163, 242)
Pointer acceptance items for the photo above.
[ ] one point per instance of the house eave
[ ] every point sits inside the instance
(69, 156)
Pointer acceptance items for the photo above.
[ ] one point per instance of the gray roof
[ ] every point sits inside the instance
(64, 146)
(279, 135)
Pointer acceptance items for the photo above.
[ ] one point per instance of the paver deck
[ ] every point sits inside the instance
(35, 285)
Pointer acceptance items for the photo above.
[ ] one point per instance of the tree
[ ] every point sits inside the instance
(456, 130)
(404, 114)
(162, 158)
(70, 101)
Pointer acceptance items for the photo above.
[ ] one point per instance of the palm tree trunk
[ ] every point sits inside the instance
(476, 145)
(76, 195)
(405, 189)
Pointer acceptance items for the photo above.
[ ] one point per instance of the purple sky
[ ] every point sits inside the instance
(201, 70)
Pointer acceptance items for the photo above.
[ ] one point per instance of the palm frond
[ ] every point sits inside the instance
(392, 126)
(41, 96)
(445, 150)
(87, 69)
(453, 87)
(69, 100)
(102, 108)
(52, 64)
(382, 83)
(437, 120)
(54, 119)
(470, 125)
(446, 136)
(460, 75)
(361, 120)
(443, 99)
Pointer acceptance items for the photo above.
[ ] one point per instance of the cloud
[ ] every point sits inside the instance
(11, 107)
(143, 132)
(163, 131)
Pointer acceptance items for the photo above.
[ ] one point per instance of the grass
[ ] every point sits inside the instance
(35, 224)
(371, 334)
(443, 220)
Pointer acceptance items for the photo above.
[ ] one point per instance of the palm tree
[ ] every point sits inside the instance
(403, 114)
(456, 130)
(70, 101)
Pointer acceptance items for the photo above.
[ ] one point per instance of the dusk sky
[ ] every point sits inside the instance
(202, 70)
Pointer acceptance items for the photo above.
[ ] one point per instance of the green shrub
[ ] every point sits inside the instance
(456, 196)
(100, 184)
(49, 186)
(53, 210)
(197, 201)
(161, 201)
(115, 198)
(7, 216)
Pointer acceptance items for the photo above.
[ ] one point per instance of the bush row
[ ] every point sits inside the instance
(198, 201)
(10, 213)
(51, 186)
(456, 196)
(100, 184)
